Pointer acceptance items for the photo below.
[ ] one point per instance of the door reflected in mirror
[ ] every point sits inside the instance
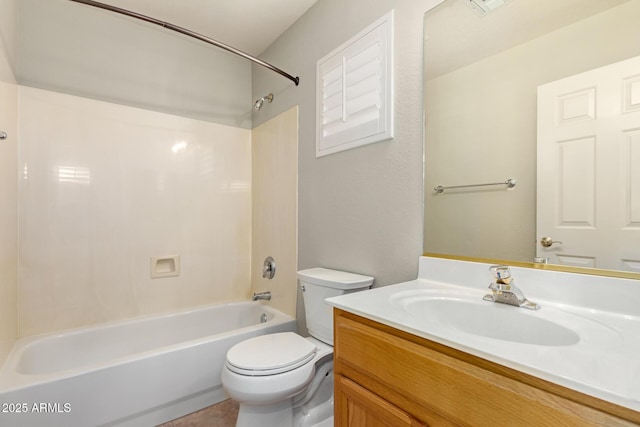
(546, 93)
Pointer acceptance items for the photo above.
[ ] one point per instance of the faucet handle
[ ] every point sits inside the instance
(501, 273)
(503, 290)
(269, 268)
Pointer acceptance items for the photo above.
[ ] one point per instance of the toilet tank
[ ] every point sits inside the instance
(318, 284)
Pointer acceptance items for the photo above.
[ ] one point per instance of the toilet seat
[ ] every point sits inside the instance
(270, 354)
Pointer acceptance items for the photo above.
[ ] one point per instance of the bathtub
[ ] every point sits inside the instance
(140, 372)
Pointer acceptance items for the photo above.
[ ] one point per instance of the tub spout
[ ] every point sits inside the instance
(261, 296)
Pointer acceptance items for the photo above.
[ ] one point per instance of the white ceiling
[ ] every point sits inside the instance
(248, 25)
(456, 36)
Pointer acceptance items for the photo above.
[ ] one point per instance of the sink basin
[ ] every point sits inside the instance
(490, 320)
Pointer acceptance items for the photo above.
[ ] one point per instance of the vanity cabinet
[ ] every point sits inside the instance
(387, 377)
(362, 408)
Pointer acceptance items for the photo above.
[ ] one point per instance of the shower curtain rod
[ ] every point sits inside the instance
(189, 33)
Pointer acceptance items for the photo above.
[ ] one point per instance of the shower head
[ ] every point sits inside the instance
(258, 104)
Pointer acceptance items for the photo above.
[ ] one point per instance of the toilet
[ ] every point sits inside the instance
(283, 379)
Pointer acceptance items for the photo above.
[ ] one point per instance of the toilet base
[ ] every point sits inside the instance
(326, 423)
(276, 415)
(269, 416)
(317, 411)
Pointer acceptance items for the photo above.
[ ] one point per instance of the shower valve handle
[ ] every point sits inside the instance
(269, 268)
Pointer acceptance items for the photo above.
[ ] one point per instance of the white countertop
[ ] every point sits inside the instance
(604, 363)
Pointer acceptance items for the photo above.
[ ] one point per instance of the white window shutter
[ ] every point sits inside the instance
(354, 91)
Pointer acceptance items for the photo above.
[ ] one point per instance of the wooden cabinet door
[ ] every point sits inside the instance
(358, 407)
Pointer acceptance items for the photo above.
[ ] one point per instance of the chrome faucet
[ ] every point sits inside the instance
(261, 295)
(504, 291)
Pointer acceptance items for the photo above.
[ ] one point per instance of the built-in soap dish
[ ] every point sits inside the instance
(165, 266)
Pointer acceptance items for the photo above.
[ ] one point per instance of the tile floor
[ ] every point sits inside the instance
(224, 414)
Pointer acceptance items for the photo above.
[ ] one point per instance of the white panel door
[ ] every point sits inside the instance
(588, 195)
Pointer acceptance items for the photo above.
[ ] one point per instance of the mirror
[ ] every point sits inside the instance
(484, 125)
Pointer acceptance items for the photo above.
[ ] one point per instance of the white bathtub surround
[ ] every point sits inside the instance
(604, 312)
(139, 372)
(8, 219)
(8, 186)
(103, 188)
(274, 163)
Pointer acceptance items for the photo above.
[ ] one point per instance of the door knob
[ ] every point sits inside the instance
(548, 241)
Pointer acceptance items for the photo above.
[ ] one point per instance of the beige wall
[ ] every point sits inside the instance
(274, 159)
(481, 127)
(8, 183)
(359, 210)
(103, 188)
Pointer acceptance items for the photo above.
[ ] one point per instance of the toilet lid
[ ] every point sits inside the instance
(270, 354)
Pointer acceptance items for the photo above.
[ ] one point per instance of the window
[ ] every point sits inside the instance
(354, 91)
